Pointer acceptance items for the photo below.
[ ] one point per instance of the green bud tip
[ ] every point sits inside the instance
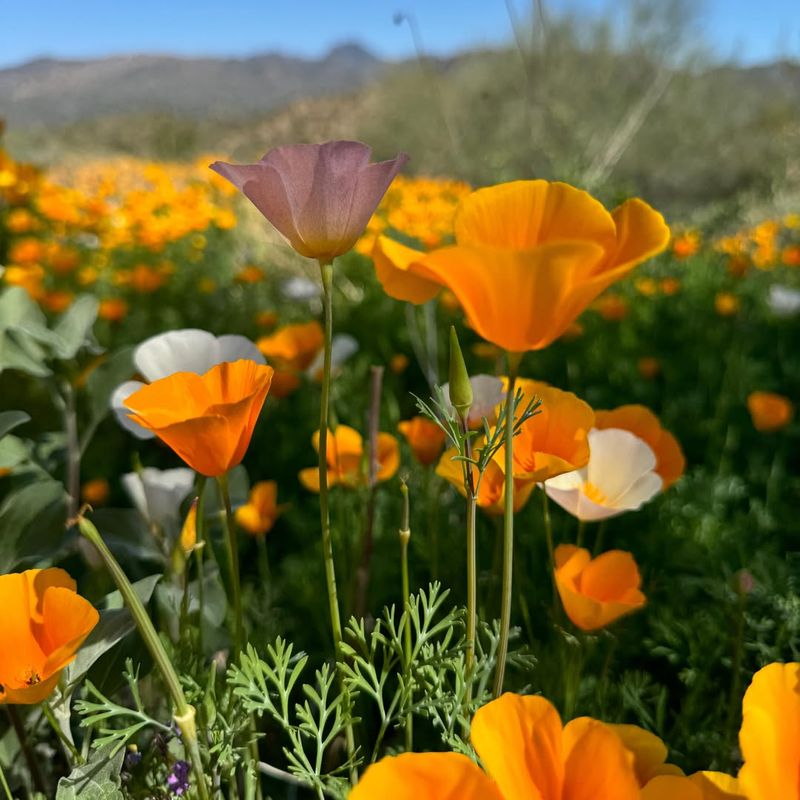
(460, 387)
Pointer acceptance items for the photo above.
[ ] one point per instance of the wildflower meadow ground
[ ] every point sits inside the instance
(319, 478)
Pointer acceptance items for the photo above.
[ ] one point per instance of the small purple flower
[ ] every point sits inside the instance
(178, 778)
(132, 759)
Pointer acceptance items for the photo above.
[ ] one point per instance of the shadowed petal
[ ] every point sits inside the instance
(597, 764)
(518, 740)
(394, 268)
(513, 298)
(425, 776)
(671, 787)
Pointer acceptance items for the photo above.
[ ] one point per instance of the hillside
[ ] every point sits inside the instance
(700, 137)
(53, 92)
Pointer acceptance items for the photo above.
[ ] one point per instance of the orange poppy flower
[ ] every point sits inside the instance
(642, 422)
(726, 304)
(258, 514)
(208, 419)
(554, 441)
(347, 459)
(649, 753)
(770, 734)
(44, 623)
(426, 438)
(700, 786)
(95, 492)
(492, 486)
(112, 309)
(527, 754)
(611, 307)
(769, 411)
(597, 591)
(293, 346)
(529, 258)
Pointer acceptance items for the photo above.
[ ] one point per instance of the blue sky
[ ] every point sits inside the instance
(749, 30)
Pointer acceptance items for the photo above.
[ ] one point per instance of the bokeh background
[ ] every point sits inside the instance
(694, 105)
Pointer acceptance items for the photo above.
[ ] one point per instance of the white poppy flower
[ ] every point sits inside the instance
(186, 350)
(487, 395)
(157, 494)
(619, 477)
(300, 288)
(783, 301)
(343, 346)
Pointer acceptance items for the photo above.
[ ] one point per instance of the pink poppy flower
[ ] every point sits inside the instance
(319, 196)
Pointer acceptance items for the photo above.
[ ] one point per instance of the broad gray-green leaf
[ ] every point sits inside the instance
(74, 328)
(100, 385)
(23, 332)
(13, 452)
(19, 514)
(10, 420)
(98, 779)
(114, 625)
(127, 535)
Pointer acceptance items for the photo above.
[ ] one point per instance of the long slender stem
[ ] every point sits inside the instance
(551, 552)
(734, 699)
(4, 784)
(472, 565)
(73, 451)
(184, 713)
(27, 751)
(325, 518)
(252, 787)
(508, 528)
(73, 756)
(233, 565)
(326, 272)
(368, 540)
(200, 554)
(405, 536)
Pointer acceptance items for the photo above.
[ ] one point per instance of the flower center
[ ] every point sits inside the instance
(27, 677)
(593, 493)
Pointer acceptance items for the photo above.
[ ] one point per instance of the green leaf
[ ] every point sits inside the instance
(98, 779)
(74, 328)
(13, 452)
(29, 517)
(114, 625)
(10, 420)
(101, 383)
(127, 535)
(23, 331)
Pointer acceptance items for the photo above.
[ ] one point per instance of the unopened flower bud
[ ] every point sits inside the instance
(460, 387)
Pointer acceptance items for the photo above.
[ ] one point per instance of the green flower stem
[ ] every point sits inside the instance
(551, 552)
(73, 756)
(326, 273)
(508, 527)
(200, 553)
(252, 786)
(184, 713)
(326, 269)
(27, 751)
(233, 566)
(581, 532)
(472, 565)
(4, 784)
(405, 536)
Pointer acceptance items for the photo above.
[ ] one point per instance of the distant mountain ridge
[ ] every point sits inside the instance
(57, 92)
